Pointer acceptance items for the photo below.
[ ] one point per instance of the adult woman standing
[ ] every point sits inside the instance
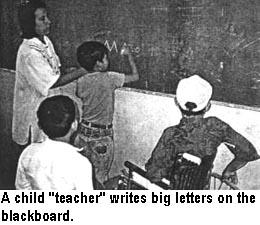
(37, 72)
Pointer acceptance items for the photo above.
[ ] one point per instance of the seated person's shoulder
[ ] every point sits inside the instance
(213, 120)
(31, 151)
(214, 123)
(170, 131)
(76, 158)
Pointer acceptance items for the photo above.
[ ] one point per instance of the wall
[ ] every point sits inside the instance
(169, 39)
(9, 33)
(9, 151)
(141, 116)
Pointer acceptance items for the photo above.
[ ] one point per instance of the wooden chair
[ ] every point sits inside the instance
(190, 172)
(217, 183)
(187, 174)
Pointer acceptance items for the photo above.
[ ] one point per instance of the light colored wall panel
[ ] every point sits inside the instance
(140, 118)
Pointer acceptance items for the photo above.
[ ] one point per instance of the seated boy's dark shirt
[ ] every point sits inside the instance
(200, 137)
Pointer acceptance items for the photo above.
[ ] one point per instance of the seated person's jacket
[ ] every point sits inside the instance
(200, 137)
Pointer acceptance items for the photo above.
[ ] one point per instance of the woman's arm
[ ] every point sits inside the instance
(69, 77)
(38, 72)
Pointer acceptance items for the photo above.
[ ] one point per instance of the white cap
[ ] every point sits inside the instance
(194, 89)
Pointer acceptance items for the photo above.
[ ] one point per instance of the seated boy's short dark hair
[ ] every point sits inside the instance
(56, 115)
(89, 53)
(190, 113)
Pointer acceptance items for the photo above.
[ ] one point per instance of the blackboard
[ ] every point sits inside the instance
(170, 39)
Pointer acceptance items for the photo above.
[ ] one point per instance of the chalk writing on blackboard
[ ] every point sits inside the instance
(252, 42)
(191, 11)
(116, 47)
(161, 9)
(111, 47)
(149, 49)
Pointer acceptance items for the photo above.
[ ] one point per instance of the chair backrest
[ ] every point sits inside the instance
(218, 183)
(187, 174)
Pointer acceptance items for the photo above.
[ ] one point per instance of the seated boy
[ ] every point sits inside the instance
(55, 164)
(96, 90)
(197, 135)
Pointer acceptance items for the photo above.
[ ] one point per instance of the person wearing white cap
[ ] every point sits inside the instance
(193, 95)
(196, 135)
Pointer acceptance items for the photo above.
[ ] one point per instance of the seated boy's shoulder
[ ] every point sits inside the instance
(213, 120)
(170, 130)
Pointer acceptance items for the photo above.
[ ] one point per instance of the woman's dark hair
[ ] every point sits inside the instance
(26, 17)
(89, 53)
(56, 115)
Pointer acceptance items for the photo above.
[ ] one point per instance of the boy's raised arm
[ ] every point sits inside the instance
(134, 76)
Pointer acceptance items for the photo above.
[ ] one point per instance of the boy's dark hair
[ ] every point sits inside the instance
(89, 53)
(56, 115)
(26, 17)
(190, 106)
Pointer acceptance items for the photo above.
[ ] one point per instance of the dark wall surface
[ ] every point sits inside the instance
(9, 151)
(9, 33)
(170, 39)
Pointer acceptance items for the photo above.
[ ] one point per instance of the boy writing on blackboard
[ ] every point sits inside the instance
(96, 90)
